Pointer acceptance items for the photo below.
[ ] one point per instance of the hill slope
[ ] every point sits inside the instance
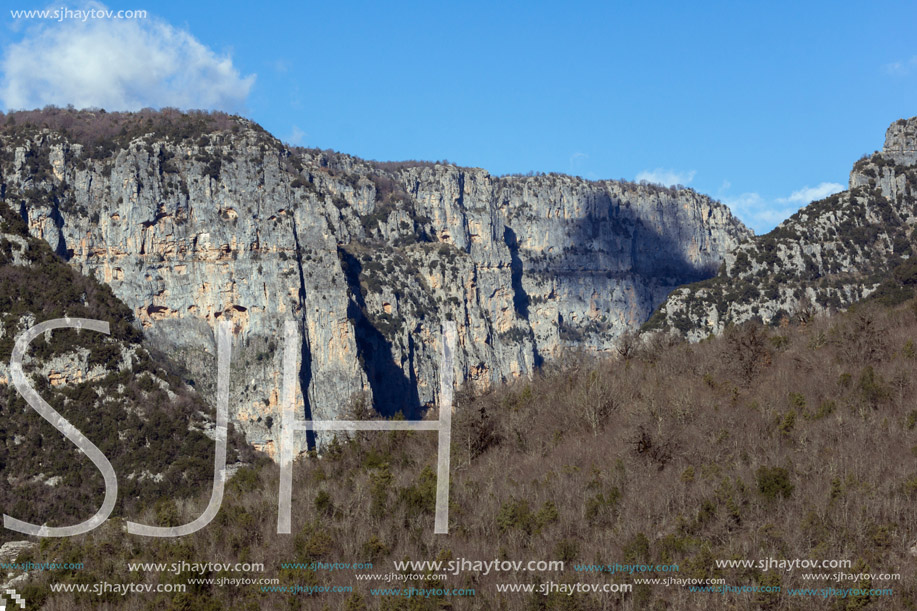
(130, 403)
(832, 253)
(758, 444)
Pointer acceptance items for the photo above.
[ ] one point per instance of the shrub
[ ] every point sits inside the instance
(600, 508)
(420, 497)
(788, 422)
(872, 387)
(637, 549)
(773, 482)
(374, 548)
(515, 515)
(566, 550)
(323, 504)
(313, 542)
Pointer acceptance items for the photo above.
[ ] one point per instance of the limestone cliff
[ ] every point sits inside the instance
(834, 252)
(157, 433)
(195, 218)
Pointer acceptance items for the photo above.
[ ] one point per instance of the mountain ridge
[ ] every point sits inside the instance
(853, 245)
(197, 217)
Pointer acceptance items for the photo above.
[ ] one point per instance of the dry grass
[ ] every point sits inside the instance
(671, 453)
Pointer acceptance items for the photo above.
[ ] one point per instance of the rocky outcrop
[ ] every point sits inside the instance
(9, 553)
(227, 223)
(155, 431)
(834, 252)
(901, 141)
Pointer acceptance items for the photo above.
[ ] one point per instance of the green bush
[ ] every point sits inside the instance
(600, 508)
(420, 497)
(773, 482)
(515, 515)
(637, 549)
(323, 504)
(313, 542)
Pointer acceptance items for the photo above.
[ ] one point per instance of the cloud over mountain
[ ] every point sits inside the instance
(118, 64)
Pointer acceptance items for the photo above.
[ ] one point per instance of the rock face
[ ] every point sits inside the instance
(9, 552)
(156, 432)
(901, 141)
(850, 246)
(191, 227)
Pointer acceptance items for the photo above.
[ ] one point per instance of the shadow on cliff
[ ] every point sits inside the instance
(521, 298)
(393, 391)
(600, 241)
(305, 355)
(61, 250)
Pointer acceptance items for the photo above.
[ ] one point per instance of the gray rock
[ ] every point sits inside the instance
(828, 255)
(366, 258)
(11, 550)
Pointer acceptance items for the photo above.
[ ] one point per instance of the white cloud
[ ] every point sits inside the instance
(118, 64)
(901, 68)
(667, 178)
(809, 194)
(297, 136)
(576, 161)
(757, 212)
(762, 214)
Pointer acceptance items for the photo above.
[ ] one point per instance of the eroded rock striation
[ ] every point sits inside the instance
(197, 218)
(157, 434)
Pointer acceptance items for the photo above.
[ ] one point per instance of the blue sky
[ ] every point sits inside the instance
(761, 105)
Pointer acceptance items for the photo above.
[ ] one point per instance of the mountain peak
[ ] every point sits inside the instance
(901, 137)
(832, 253)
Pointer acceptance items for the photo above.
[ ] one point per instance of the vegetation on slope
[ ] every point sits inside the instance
(103, 133)
(132, 404)
(788, 442)
(834, 252)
